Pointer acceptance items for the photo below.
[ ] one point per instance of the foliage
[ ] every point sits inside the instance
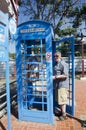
(12, 55)
(55, 11)
(66, 16)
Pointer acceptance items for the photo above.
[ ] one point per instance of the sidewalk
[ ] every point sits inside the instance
(72, 123)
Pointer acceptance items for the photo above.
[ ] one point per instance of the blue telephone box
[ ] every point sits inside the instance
(34, 71)
(34, 66)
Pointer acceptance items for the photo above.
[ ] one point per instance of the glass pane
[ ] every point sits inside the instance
(34, 92)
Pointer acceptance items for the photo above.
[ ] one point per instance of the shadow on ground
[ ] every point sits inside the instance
(2, 126)
(82, 122)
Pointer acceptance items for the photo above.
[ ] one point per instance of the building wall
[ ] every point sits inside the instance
(10, 7)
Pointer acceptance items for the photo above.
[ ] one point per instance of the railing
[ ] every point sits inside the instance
(13, 97)
(77, 64)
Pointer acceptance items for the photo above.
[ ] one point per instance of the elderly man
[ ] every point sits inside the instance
(60, 77)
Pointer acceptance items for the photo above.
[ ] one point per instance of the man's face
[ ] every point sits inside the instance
(56, 57)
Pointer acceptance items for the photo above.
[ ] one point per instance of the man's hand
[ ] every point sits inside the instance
(54, 77)
(60, 77)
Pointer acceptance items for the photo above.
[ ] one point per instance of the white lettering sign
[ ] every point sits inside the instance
(32, 30)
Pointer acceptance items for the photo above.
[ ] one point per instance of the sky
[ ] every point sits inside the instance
(12, 47)
(24, 18)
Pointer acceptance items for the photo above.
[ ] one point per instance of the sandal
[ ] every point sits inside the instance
(58, 114)
(61, 118)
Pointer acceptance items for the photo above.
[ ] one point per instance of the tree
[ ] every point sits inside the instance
(65, 15)
(12, 55)
(58, 12)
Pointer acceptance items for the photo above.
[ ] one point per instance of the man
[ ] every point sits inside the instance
(60, 77)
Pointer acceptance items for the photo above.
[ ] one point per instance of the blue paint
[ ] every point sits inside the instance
(34, 36)
(70, 61)
(4, 57)
(34, 62)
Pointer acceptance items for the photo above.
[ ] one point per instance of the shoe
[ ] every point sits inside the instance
(61, 118)
(58, 114)
(30, 107)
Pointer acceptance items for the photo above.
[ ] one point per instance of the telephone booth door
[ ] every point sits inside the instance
(34, 72)
(66, 47)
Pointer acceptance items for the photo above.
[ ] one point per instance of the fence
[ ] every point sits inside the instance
(3, 101)
(3, 68)
(77, 62)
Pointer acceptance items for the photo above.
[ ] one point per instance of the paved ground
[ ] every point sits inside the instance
(72, 123)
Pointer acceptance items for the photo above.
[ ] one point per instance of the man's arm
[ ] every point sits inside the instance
(61, 77)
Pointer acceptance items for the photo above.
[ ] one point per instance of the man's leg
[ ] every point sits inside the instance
(63, 109)
(62, 99)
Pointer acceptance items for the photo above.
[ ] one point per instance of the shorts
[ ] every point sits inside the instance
(61, 95)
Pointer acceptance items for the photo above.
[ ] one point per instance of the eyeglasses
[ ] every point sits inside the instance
(56, 56)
